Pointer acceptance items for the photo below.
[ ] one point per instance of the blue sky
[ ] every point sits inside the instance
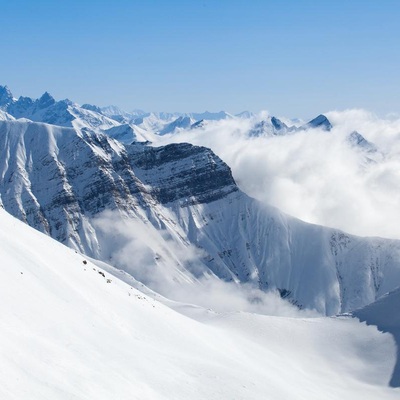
(293, 58)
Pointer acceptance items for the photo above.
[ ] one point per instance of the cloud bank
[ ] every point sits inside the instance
(317, 176)
(175, 270)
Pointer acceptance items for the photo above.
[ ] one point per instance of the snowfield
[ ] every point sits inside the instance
(69, 330)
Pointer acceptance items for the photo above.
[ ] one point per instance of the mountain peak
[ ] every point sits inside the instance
(278, 124)
(245, 114)
(46, 100)
(6, 96)
(92, 107)
(358, 140)
(320, 122)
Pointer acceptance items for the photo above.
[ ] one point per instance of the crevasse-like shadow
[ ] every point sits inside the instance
(385, 314)
(395, 380)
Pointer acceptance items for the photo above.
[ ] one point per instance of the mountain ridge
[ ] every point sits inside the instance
(60, 180)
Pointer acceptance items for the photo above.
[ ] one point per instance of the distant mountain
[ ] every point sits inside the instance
(199, 124)
(245, 115)
(321, 122)
(91, 107)
(355, 139)
(273, 126)
(6, 97)
(119, 115)
(212, 116)
(69, 114)
(179, 123)
(61, 113)
(129, 134)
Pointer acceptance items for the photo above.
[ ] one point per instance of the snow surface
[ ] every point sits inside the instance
(5, 117)
(68, 333)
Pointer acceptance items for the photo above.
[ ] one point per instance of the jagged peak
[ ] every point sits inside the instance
(6, 96)
(25, 99)
(356, 139)
(198, 124)
(67, 102)
(207, 115)
(5, 89)
(46, 100)
(278, 124)
(245, 115)
(321, 121)
(92, 107)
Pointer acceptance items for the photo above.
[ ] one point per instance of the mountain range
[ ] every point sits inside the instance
(61, 180)
(137, 125)
(172, 219)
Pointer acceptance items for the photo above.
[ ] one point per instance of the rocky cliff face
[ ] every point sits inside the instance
(55, 178)
(182, 172)
(60, 180)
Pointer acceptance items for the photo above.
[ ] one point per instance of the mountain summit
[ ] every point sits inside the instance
(6, 97)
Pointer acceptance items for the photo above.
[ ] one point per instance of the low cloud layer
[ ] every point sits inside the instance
(175, 270)
(314, 175)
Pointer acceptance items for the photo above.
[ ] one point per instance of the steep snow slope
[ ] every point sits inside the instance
(313, 266)
(68, 332)
(63, 182)
(119, 115)
(128, 134)
(179, 123)
(5, 116)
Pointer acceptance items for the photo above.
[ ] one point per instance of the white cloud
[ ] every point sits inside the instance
(314, 175)
(175, 270)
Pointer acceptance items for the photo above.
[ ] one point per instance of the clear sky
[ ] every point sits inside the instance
(293, 58)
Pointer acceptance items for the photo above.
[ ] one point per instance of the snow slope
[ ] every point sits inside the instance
(5, 117)
(69, 333)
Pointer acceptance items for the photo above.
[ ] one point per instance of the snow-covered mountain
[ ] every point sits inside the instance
(6, 97)
(321, 121)
(70, 329)
(136, 125)
(179, 123)
(211, 116)
(75, 184)
(122, 116)
(129, 133)
(167, 123)
(357, 140)
(47, 109)
(273, 126)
